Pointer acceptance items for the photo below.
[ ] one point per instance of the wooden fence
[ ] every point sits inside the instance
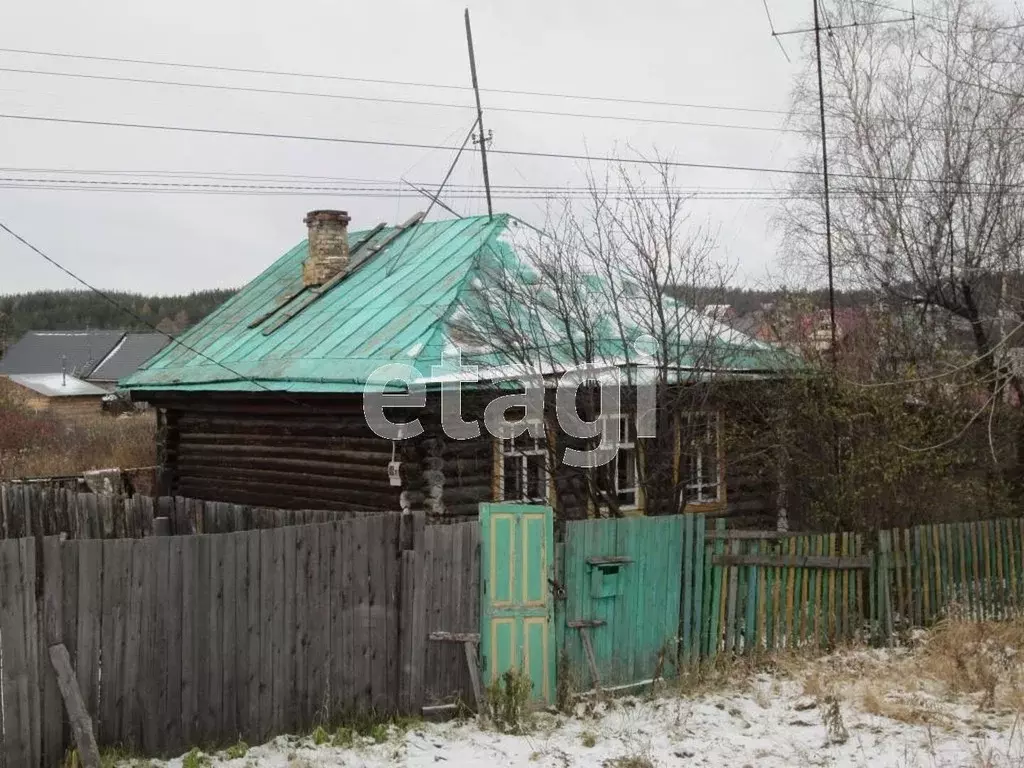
(48, 510)
(184, 640)
(742, 592)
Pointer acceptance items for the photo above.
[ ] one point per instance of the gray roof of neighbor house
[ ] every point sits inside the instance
(57, 385)
(127, 355)
(46, 351)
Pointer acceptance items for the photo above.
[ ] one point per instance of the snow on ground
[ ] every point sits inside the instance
(893, 711)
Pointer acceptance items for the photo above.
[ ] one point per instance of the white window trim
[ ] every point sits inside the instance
(622, 441)
(698, 485)
(539, 449)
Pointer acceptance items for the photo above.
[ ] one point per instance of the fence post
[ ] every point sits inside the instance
(412, 638)
(883, 582)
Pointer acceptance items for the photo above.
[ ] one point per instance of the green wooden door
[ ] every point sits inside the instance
(516, 562)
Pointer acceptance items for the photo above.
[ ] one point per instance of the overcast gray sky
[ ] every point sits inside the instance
(711, 53)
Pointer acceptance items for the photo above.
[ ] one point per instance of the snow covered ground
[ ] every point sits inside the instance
(895, 709)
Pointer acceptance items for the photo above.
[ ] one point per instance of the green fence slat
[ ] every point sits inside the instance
(688, 586)
(699, 587)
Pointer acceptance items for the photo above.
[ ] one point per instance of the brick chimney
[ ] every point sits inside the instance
(328, 246)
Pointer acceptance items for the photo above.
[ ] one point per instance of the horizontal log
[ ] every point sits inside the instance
(827, 562)
(342, 442)
(242, 447)
(457, 494)
(283, 496)
(298, 479)
(307, 426)
(344, 467)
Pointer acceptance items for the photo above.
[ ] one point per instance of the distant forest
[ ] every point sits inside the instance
(78, 310)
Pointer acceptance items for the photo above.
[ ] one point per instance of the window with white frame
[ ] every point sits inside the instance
(701, 450)
(524, 468)
(618, 478)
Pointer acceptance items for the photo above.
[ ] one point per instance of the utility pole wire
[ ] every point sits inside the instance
(479, 116)
(771, 26)
(824, 169)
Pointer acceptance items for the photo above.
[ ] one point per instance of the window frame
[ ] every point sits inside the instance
(624, 441)
(505, 448)
(686, 479)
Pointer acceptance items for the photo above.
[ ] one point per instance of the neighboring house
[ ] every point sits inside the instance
(262, 403)
(58, 394)
(124, 359)
(75, 353)
(100, 357)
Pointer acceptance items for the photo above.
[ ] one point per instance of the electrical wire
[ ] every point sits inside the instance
(401, 83)
(511, 152)
(139, 319)
(405, 102)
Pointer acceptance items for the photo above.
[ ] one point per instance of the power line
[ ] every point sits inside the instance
(404, 102)
(401, 83)
(456, 193)
(509, 152)
(138, 318)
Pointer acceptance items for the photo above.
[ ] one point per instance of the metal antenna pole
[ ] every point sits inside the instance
(479, 116)
(824, 168)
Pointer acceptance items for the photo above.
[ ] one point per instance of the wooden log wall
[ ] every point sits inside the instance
(202, 640)
(317, 454)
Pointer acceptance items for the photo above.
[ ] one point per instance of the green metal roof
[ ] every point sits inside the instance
(394, 306)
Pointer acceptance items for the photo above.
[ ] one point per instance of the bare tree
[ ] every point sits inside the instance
(928, 168)
(623, 280)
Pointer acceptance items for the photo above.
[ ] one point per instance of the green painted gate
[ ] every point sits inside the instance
(622, 581)
(516, 562)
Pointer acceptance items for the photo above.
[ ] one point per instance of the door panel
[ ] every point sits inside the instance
(516, 602)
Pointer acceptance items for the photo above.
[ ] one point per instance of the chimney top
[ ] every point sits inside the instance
(327, 215)
(328, 246)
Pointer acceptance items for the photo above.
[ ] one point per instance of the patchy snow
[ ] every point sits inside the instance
(763, 721)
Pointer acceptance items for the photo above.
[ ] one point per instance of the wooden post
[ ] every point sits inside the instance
(81, 724)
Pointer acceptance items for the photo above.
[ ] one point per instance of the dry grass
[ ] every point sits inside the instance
(958, 662)
(43, 445)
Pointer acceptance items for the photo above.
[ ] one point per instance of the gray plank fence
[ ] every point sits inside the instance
(49, 510)
(203, 639)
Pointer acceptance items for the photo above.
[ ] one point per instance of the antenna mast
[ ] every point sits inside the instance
(483, 137)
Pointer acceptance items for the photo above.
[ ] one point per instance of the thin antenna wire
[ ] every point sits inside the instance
(771, 26)
(434, 198)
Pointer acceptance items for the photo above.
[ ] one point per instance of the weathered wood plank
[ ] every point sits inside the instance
(150, 669)
(190, 586)
(377, 546)
(52, 713)
(81, 723)
(18, 677)
(174, 640)
(341, 618)
(132, 721)
(230, 652)
(362, 660)
(90, 583)
(319, 656)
